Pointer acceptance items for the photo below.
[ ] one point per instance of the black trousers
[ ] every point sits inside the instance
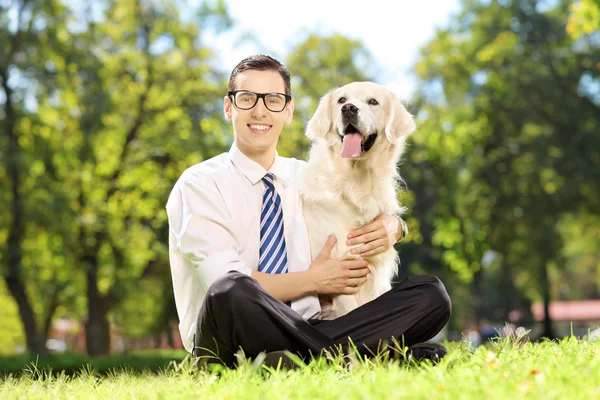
(238, 313)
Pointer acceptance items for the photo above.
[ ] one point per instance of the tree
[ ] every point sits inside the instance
(23, 27)
(143, 89)
(502, 95)
(124, 102)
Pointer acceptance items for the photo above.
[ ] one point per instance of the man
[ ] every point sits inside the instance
(240, 256)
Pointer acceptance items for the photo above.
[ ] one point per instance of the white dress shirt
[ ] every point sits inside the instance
(214, 227)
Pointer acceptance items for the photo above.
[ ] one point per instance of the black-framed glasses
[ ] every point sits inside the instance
(245, 100)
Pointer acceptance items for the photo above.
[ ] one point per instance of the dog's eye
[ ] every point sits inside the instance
(342, 100)
(373, 102)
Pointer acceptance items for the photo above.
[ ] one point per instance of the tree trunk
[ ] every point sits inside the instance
(13, 278)
(52, 306)
(170, 340)
(548, 331)
(476, 296)
(97, 328)
(34, 340)
(508, 289)
(97, 335)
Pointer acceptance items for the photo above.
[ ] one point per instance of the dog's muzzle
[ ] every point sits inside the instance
(354, 144)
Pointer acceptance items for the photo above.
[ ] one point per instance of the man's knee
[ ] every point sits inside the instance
(435, 295)
(229, 288)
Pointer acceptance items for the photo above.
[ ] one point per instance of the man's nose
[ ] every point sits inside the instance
(349, 110)
(259, 108)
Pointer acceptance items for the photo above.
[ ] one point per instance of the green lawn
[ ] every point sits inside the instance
(569, 369)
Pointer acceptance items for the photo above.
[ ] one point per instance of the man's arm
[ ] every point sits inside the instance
(324, 276)
(288, 286)
(201, 229)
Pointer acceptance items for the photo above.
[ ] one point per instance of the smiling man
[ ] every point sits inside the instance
(240, 254)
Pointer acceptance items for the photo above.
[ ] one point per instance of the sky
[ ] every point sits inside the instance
(391, 30)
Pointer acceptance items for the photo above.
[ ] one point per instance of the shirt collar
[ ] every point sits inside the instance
(253, 171)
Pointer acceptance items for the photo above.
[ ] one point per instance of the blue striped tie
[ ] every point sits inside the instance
(273, 254)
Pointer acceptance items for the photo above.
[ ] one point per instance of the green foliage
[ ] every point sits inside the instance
(584, 18)
(73, 364)
(11, 329)
(123, 105)
(34, 275)
(146, 96)
(140, 311)
(507, 140)
(580, 279)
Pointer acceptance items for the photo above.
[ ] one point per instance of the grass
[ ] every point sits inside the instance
(567, 369)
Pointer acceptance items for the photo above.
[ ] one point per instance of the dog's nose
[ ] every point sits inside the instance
(349, 110)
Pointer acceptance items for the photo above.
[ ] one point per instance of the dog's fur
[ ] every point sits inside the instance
(341, 194)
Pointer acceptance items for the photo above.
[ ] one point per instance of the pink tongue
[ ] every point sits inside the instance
(351, 145)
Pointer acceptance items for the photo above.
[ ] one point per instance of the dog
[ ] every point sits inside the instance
(357, 135)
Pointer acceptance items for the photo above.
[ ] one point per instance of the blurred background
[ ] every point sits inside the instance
(104, 103)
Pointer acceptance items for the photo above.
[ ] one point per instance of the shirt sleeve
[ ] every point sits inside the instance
(201, 227)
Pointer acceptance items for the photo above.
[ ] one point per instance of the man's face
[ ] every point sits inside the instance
(257, 130)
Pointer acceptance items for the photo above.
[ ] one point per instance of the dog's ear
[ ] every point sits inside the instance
(321, 122)
(399, 122)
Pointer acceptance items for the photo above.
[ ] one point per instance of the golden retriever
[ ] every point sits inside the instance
(358, 133)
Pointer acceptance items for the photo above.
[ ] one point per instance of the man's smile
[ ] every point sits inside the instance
(259, 128)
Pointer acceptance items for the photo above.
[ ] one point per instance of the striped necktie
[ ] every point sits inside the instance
(273, 254)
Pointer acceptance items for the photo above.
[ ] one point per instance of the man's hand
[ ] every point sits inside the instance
(337, 276)
(375, 237)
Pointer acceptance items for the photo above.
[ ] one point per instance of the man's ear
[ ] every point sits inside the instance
(227, 108)
(399, 122)
(290, 111)
(321, 121)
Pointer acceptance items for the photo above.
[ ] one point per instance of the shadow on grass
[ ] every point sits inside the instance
(72, 364)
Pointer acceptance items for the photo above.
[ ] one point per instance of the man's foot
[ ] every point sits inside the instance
(426, 351)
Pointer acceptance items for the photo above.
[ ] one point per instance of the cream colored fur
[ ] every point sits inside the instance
(340, 194)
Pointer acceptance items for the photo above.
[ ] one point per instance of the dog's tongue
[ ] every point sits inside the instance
(351, 145)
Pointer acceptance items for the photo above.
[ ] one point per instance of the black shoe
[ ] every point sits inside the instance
(273, 358)
(426, 351)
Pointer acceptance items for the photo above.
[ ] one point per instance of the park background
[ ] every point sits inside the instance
(103, 104)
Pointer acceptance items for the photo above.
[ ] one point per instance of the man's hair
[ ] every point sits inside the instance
(261, 62)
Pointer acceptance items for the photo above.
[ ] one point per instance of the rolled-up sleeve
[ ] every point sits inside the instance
(201, 226)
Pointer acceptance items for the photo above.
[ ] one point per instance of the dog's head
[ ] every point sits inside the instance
(358, 117)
